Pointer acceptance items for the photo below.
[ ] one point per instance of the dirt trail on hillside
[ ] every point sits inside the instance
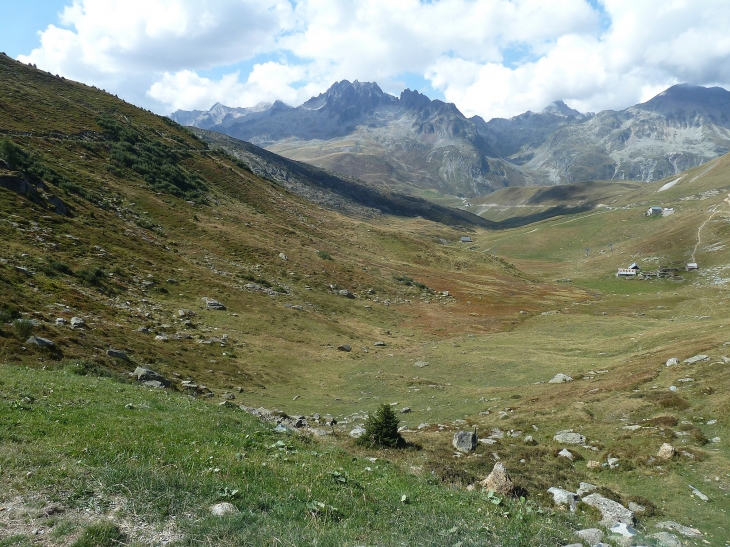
(699, 230)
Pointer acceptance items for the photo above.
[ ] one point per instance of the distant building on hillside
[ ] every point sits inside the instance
(465, 239)
(631, 271)
(667, 211)
(654, 210)
(691, 266)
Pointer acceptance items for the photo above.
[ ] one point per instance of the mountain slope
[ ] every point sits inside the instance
(678, 129)
(338, 191)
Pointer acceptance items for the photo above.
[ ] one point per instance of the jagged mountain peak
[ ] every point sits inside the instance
(345, 94)
(559, 108)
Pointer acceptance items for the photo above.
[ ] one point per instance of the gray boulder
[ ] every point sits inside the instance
(591, 536)
(357, 432)
(567, 436)
(696, 359)
(77, 323)
(212, 304)
(40, 342)
(465, 441)
(672, 361)
(116, 354)
(344, 347)
(345, 293)
(566, 498)
(420, 364)
(146, 375)
(611, 511)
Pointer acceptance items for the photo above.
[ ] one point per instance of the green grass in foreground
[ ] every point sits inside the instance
(96, 444)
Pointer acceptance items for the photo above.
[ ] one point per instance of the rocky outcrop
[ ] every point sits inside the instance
(499, 481)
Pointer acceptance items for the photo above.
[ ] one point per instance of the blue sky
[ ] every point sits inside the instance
(489, 57)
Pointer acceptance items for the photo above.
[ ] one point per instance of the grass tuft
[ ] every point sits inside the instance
(100, 534)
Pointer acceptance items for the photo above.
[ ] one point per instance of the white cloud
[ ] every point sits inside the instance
(490, 57)
(267, 82)
(649, 46)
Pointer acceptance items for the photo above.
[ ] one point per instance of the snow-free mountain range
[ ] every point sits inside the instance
(416, 144)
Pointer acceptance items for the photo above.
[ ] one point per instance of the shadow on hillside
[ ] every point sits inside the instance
(560, 210)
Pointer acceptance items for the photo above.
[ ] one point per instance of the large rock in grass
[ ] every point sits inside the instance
(567, 436)
(146, 375)
(465, 441)
(499, 481)
(565, 498)
(77, 323)
(40, 342)
(212, 304)
(592, 536)
(116, 354)
(666, 452)
(612, 512)
(560, 378)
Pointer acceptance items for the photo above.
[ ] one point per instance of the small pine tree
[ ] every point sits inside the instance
(381, 429)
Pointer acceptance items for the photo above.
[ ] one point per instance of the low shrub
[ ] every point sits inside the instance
(23, 328)
(8, 314)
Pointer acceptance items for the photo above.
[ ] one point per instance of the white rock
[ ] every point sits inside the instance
(673, 361)
(624, 529)
(560, 378)
(564, 497)
(222, 509)
(565, 453)
(699, 494)
(357, 432)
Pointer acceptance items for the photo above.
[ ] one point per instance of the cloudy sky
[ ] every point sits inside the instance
(490, 57)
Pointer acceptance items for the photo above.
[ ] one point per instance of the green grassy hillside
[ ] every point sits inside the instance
(123, 218)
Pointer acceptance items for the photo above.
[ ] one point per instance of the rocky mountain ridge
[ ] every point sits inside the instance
(414, 143)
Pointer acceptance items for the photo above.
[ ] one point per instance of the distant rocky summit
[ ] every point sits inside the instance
(413, 142)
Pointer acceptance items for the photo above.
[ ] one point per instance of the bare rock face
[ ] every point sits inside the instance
(666, 452)
(499, 481)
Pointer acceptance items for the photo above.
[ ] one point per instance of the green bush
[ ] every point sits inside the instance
(381, 429)
(86, 368)
(324, 255)
(23, 327)
(8, 313)
(93, 276)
